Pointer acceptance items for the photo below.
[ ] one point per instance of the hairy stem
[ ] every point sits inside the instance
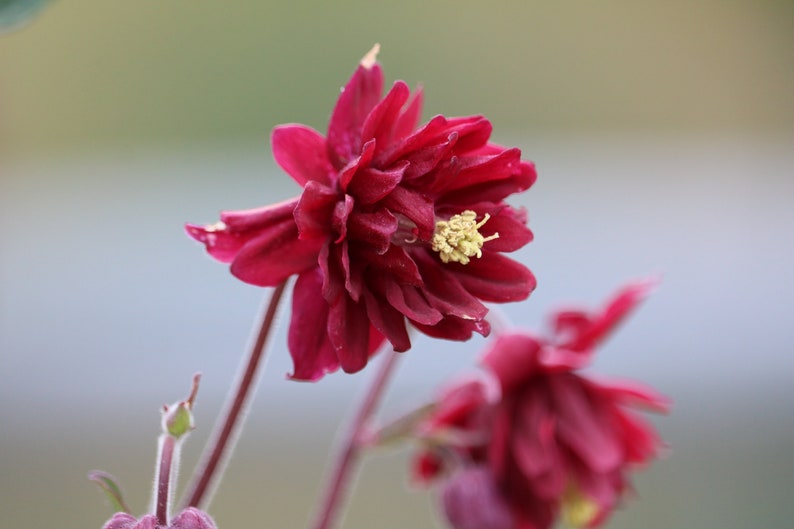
(223, 439)
(349, 451)
(165, 464)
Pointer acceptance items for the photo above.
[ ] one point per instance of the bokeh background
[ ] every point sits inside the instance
(663, 132)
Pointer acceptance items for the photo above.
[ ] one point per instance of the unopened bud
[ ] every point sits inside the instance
(190, 518)
(123, 520)
(178, 418)
(471, 500)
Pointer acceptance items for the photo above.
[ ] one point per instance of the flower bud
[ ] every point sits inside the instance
(123, 520)
(470, 500)
(190, 518)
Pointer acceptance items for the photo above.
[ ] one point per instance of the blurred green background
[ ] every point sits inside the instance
(663, 134)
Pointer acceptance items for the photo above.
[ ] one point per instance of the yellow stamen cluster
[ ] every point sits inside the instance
(577, 509)
(457, 239)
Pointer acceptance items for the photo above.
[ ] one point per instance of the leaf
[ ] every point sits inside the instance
(107, 483)
(15, 13)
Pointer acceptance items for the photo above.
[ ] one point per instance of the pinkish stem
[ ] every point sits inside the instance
(348, 454)
(165, 465)
(222, 440)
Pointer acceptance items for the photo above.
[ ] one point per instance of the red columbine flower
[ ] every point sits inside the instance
(394, 222)
(557, 442)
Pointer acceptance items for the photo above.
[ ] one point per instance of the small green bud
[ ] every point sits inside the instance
(178, 418)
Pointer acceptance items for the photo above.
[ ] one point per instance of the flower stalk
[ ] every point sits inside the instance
(222, 440)
(350, 450)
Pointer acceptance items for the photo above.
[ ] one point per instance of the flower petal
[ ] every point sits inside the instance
(512, 357)
(312, 354)
(274, 255)
(388, 321)
(314, 210)
(380, 121)
(409, 301)
(301, 152)
(415, 206)
(374, 229)
(349, 333)
(496, 278)
(370, 185)
(454, 328)
(445, 292)
(409, 118)
(225, 239)
(601, 323)
(585, 424)
(357, 100)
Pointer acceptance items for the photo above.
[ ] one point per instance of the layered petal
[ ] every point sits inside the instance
(300, 151)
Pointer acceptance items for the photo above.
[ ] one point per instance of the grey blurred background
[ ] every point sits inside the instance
(663, 134)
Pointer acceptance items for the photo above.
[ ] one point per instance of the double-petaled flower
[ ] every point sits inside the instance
(395, 223)
(537, 438)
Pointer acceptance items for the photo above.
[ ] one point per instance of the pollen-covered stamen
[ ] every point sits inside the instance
(458, 238)
(577, 509)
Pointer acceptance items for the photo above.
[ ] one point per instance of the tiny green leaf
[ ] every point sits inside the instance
(108, 484)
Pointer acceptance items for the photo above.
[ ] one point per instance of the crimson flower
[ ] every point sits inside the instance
(394, 223)
(555, 442)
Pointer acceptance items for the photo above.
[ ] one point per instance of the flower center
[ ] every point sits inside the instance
(458, 238)
(577, 509)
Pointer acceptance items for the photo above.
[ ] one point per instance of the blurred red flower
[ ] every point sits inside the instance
(551, 441)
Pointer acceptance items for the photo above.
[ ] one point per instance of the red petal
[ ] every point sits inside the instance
(220, 244)
(633, 393)
(585, 424)
(534, 445)
(512, 357)
(409, 118)
(617, 309)
(225, 240)
(454, 328)
(274, 255)
(493, 190)
(314, 210)
(445, 292)
(415, 206)
(374, 229)
(349, 332)
(495, 277)
(380, 122)
(357, 100)
(311, 351)
(301, 152)
(395, 262)
(356, 164)
(388, 321)
(410, 302)
(370, 185)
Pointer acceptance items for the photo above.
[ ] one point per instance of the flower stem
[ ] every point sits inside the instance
(348, 454)
(165, 464)
(222, 440)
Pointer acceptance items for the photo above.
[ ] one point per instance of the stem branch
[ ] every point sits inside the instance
(222, 440)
